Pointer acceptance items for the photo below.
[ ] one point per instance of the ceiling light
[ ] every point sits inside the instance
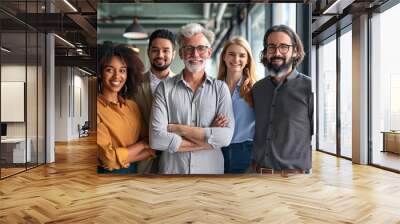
(65, 41)
(70, 5)
(135, 31)
(5, 49)
(134, 48)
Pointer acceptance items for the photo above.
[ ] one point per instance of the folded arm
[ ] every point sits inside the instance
(160, 138)
(115, 157)
(221, 130)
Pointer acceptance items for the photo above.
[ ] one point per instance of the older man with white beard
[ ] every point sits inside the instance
(185, 107)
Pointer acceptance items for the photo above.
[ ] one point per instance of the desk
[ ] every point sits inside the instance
(391, 141)
(15, 148)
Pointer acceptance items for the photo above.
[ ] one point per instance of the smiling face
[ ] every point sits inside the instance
(161, 54)
(114, 75)
(279, 54)
(195, 51)
(235, 58)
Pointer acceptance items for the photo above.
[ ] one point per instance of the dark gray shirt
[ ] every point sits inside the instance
(284, 122)
(176, 103)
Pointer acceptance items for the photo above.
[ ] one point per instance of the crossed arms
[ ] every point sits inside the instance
(182, 138)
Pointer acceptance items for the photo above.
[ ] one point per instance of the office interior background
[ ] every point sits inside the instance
(48, 68)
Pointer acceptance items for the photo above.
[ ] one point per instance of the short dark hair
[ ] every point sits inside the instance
(135, 67)
(165, 34)
(295, 39)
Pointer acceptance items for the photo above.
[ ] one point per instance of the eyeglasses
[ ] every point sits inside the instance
(283, 48)
(201, 49)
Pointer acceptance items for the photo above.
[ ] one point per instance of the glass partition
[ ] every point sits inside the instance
(385, 89)
(346, 94)
(14, 154)
(327, 96)
(22, 79)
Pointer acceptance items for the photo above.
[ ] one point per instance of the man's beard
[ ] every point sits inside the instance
(159, 67)
(194, 68)
(276, 70)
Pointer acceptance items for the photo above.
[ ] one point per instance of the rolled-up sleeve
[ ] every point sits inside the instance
(219, 137)
(159, 137)
(111, 157)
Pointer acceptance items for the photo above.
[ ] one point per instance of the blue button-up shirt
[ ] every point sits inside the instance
(244, 117)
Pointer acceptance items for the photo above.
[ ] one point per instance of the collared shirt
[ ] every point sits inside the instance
(118, 126)
(144, 98)
(176, 103)
(154, 81)
(244, 117)
(284, 122)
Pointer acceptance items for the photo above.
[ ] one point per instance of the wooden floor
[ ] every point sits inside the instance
(70, 191)
(387, 159)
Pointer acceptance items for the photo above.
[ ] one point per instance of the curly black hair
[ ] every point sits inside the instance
(135, 67)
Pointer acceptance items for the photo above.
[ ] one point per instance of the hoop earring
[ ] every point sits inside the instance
(100, 86)
(124, 92)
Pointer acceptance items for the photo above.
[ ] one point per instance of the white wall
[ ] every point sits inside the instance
(71, 102)
(13, 73)
(33, 126)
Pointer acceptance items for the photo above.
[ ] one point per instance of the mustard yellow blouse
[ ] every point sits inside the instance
(118, 126)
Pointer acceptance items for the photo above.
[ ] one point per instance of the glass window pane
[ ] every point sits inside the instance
(14, 148)
(327, 97)
(385, 86)
(257, 34)
(284, 13)
(346, 94)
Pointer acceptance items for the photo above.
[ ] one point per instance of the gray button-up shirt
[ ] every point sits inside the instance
(176, 103)
(284, 122)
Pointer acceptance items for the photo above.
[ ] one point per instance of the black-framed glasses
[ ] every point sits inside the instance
(201, 49)
(283, 48)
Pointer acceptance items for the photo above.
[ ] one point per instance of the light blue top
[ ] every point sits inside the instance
(244, 117)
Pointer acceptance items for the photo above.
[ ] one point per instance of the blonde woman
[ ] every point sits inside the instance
(237, 68)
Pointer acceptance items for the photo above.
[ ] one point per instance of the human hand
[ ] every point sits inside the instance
(152, 153)
(220, 121)
(144, 143)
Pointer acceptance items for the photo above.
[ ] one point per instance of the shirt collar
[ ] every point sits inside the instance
(292, 75)
(238, 84)
(107, 103)
(153, 76)
(180, 78)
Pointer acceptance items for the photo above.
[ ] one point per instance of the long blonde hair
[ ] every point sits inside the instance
(249, 71)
